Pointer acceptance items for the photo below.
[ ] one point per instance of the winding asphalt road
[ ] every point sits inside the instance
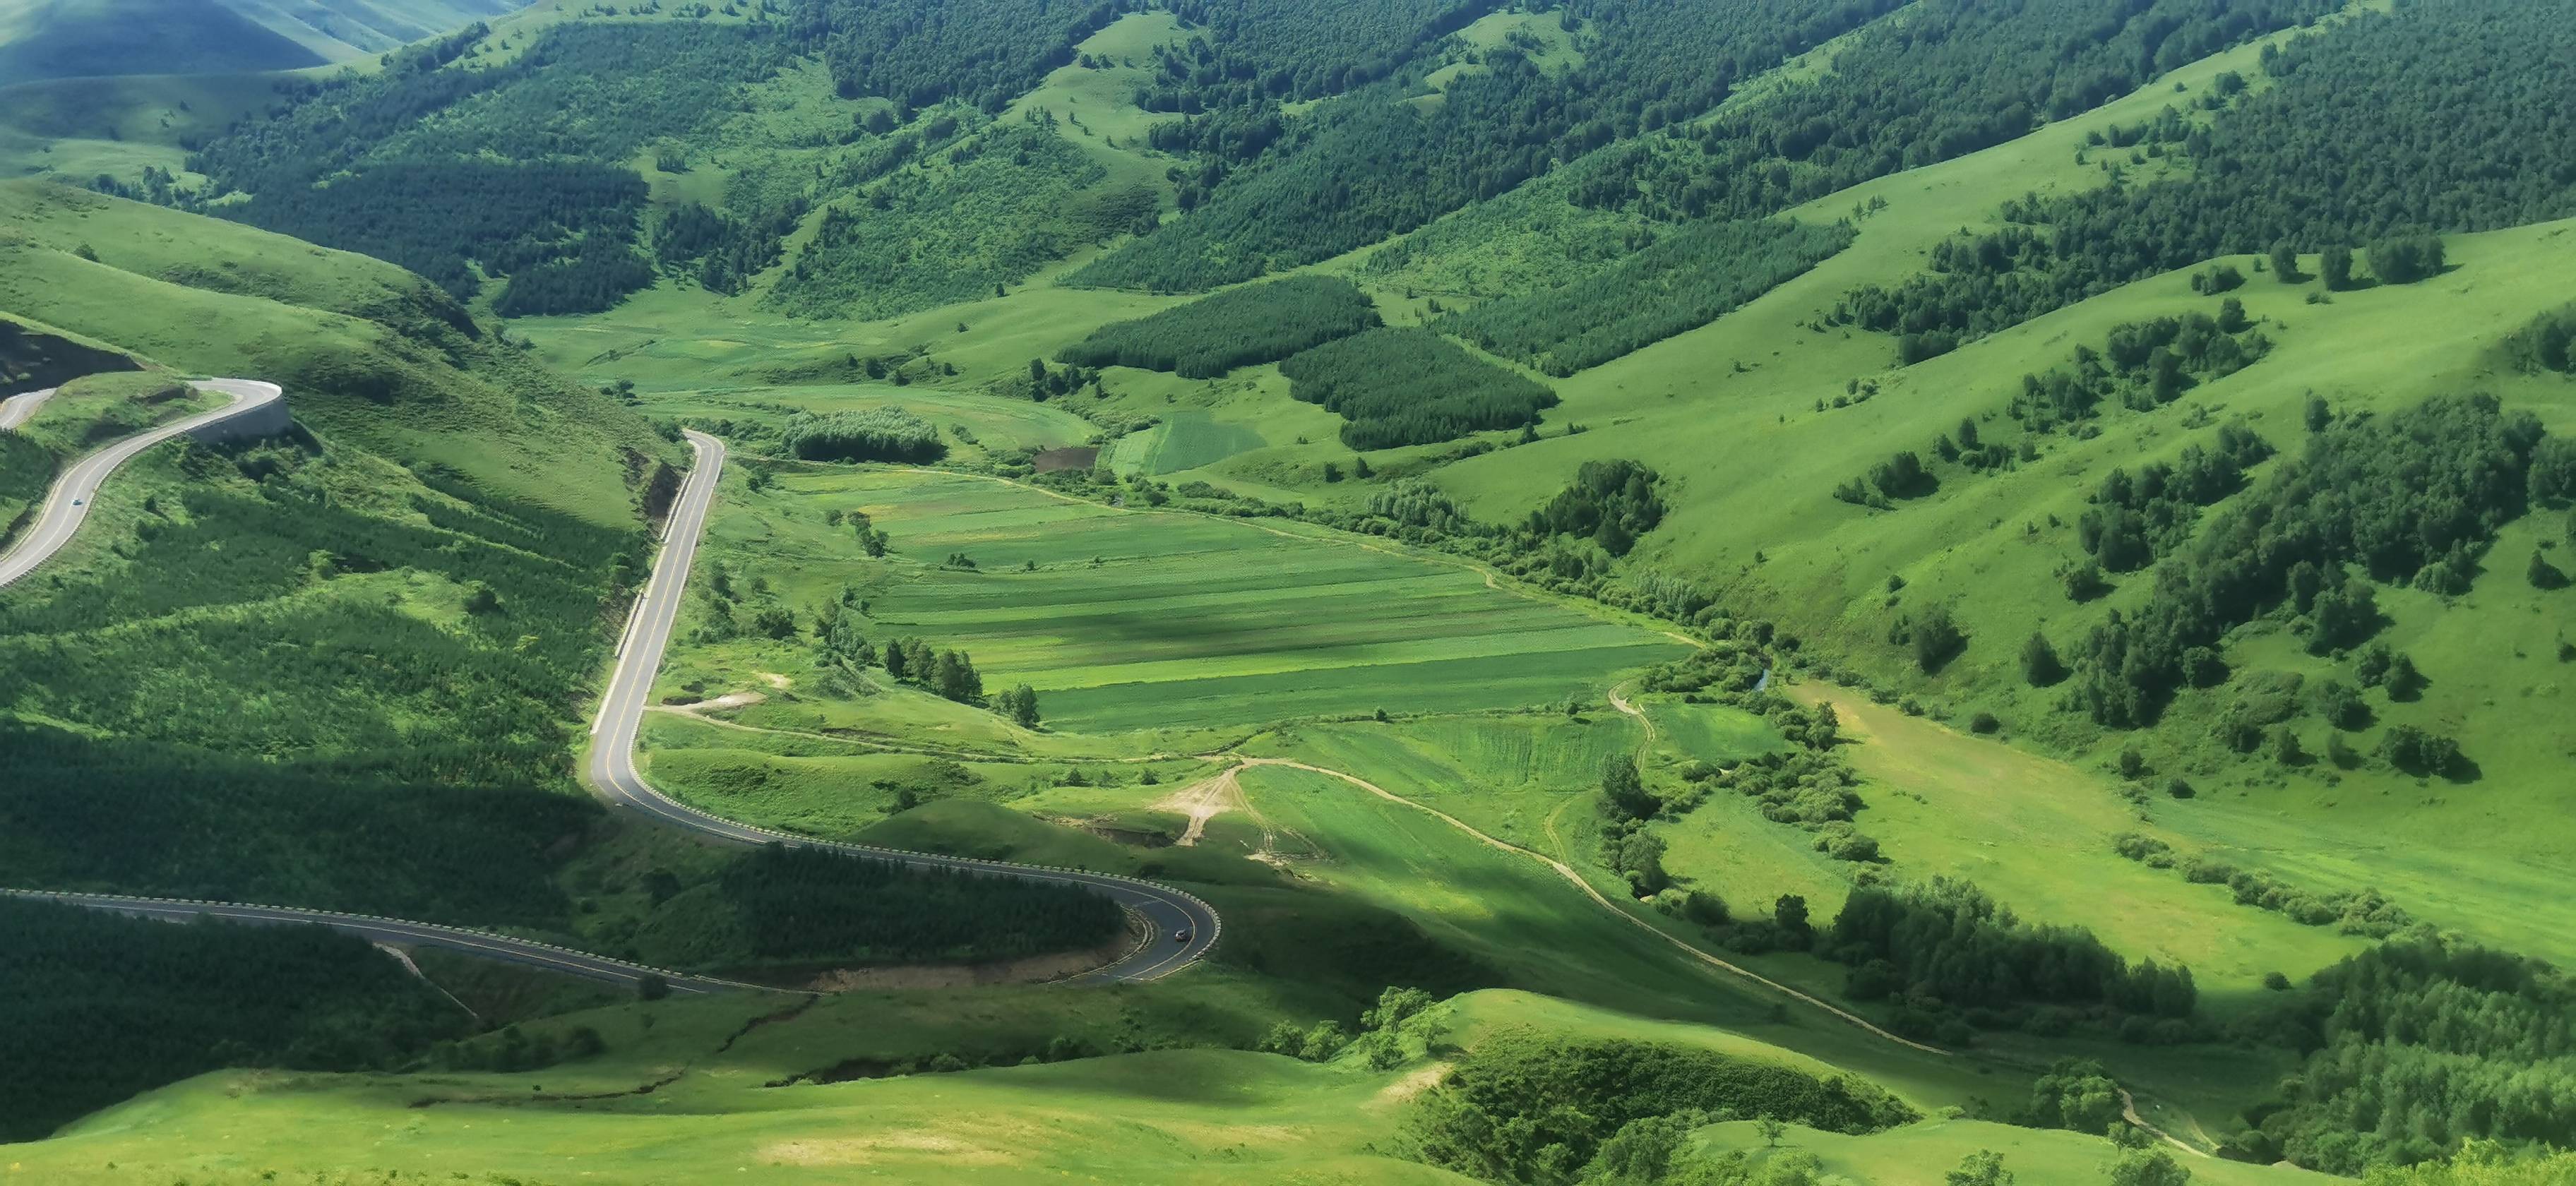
(68, 503)
(611, 769)
(525, 952)
(15, 410)
(612, 773)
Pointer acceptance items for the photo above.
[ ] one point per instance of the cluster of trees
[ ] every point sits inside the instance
(800, 907)
(1686, 279)
(96, 1007)
(2411, 496)
(950, 674)
(591, 277)
(2546, 342)
(2144, 365)
(1523, 1107)
(1954, 960)
(1902, 475)
(1366, 166)
(728, 251)
(1215, 334)
(2134, 519)
(869, 434)
(1411, 387)
(1611, 503)
(512, 1049)
(2471, 143)
(2416, 1047)
(1400, 1019)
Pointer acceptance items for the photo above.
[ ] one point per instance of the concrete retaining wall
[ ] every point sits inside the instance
(267, 420)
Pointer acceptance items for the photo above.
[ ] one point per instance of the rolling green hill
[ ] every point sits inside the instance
(2020, 550)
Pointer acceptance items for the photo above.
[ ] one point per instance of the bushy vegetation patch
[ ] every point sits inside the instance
(1213, 335)
(2351, 912)
(1687, 279)
(96, 1007)
(1525, 1107)
(1412, 387)
(1000, 208)
(872, 434)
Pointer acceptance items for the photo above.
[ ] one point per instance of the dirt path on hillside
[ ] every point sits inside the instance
(1202, 801)
(1619, 700)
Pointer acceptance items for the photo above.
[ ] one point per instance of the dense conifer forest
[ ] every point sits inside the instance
(1212, 335)
(1411, 387)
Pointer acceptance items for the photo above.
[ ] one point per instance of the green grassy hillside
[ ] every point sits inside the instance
(1982, 535)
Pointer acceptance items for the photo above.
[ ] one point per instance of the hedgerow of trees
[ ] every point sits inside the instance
(1213, 335)
(1411, 387)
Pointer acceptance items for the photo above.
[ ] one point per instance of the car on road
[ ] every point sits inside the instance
(1181, 936)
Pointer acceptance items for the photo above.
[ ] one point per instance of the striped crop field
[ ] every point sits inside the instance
(1125, 620)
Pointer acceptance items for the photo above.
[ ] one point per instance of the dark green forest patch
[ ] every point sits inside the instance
(96, 1007)
(1412, 387)
(1684, 281)
(1213, 335)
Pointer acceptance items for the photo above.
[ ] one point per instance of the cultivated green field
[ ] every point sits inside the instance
(1128, 621)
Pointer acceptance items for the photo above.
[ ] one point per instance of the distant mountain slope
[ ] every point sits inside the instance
(80, 38)
(342, 29)
(41, 39)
